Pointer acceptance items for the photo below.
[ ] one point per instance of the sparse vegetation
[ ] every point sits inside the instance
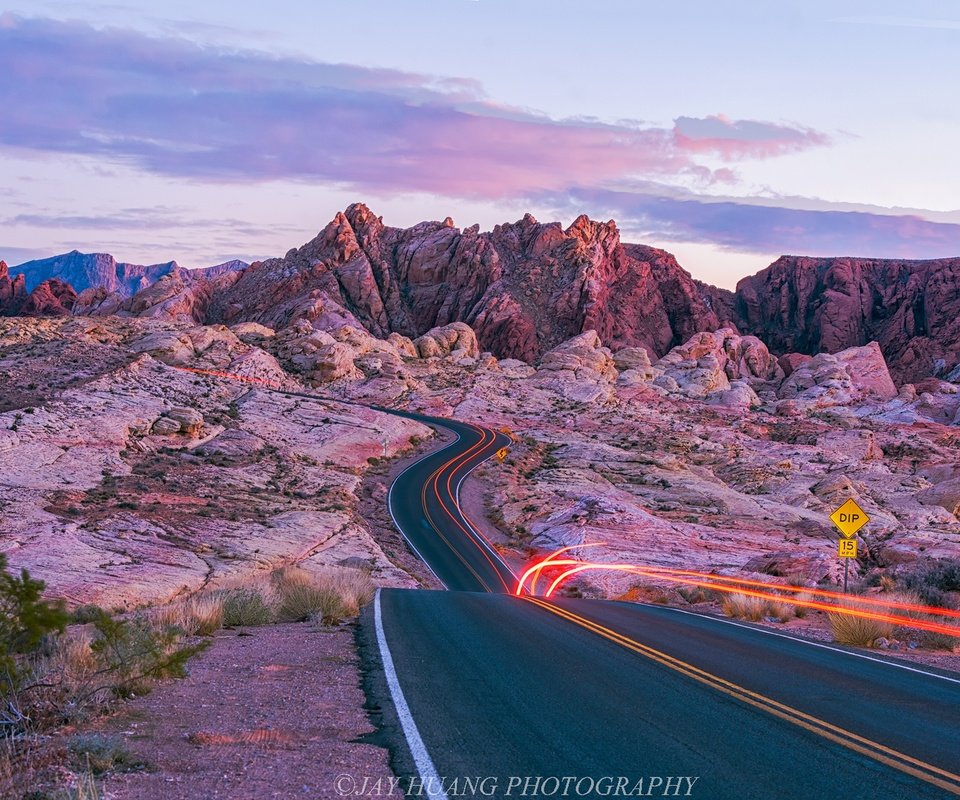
(932, 580)
(754, 609)
(101, 754)
(202, 615)
(855, 630)
(245, 607)
(327, 597)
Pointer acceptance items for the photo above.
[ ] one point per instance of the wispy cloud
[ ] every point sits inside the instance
(174, 108)
(171, 107)
(742, 226)
(737, 139)
(157, 218)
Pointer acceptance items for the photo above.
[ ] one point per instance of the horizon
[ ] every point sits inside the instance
(186, 137)
(14, 268)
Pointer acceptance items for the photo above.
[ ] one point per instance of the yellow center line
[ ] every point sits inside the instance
(436, 528)
(901, 761)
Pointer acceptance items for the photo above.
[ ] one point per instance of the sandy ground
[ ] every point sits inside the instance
(272, 712)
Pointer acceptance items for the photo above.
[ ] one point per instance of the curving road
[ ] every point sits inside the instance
(616, 699)
(424, 504)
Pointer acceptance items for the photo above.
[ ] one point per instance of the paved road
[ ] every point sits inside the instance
(425, 507)
(476, 683)
(613, 699)
(500, 686)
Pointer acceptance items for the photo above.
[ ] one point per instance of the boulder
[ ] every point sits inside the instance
(456, 340)
(855, 375)
(189, 419)
(169, 347)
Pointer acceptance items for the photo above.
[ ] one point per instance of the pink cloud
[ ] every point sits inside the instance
(171, 107)
(738, 139)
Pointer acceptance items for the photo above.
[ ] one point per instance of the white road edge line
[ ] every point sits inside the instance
(809, 642)
(390, 503)
(428, 772)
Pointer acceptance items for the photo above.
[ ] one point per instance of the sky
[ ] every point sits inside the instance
(725, 132)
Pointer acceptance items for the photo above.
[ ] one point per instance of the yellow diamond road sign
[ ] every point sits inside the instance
(849, 518)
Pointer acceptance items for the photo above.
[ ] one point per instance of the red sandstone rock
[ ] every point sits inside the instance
(911, 308)
(12, 291)
(523, 287)
(52, 298)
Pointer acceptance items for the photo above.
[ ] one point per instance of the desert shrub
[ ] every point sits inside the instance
(197, 616)
(84, 614)
(745, 606)
(855, 630)
(801, 611)
(779, 609)
(26, 620)
(80, 670)
(328, 597)
(99, 754)
(696, 594)
(931, 580)
(133, 653)
(245, 607)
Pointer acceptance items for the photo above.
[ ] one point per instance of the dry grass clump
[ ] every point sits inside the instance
(754, 609)
(801, 611)
(858, 631)
(197, 616)
(328, 596)
(100, 754)
(864, 631)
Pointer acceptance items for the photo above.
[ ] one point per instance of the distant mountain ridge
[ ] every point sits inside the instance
(101, 270)
(524, 287)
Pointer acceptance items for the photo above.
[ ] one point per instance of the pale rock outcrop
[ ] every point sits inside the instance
(634, 366)
(179, 419)
(632, 358)
(333, 362)
(739, 395)
(790, 361)
(706, 364)
(252, 332)
(945, 494)
(581, 369)
(855, 375)
(404, 345)
(170, 347)
(456, 340)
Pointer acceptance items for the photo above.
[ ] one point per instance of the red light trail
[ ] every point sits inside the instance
(743, 586)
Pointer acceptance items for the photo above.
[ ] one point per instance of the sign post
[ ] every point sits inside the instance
(849, 519)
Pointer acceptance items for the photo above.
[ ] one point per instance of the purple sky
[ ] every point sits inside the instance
(193, 139)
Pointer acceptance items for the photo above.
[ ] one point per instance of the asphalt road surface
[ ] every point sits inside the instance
(489, 695)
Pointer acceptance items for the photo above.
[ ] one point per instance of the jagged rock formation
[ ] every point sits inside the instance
(523, 287)
(809, 305)
(13, 291)
(52, 298)
(527, 287)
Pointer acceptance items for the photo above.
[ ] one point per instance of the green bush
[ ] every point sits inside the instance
(245, 607)
(134, 653)
(101, 754)
(26, 620)
(85, 614)
(932, 579)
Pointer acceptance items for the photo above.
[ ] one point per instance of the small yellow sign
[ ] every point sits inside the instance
(849, 518)
(502, 453)
(847, 548)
